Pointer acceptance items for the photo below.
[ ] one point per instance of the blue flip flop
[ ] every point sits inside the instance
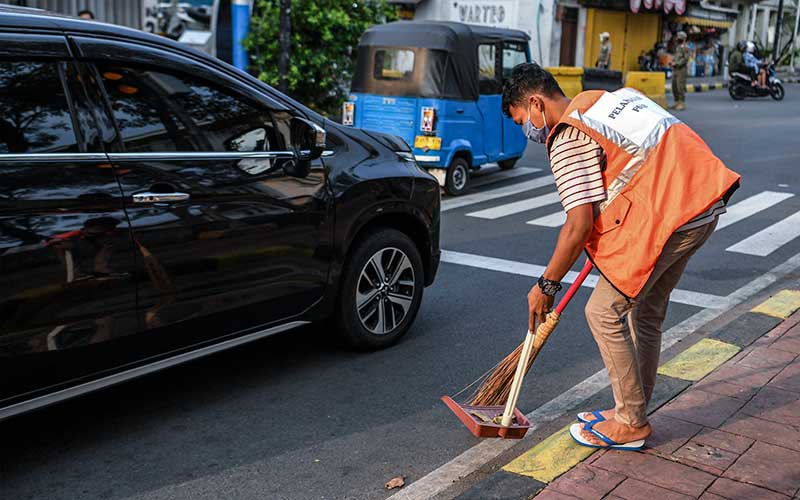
(575, 433)
(598, 417)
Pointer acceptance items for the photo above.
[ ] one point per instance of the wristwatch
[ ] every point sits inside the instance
(549, 287)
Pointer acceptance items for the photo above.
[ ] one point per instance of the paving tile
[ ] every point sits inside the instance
(505, 486)
(633, 489)
(669, 434)
(728, 389)
(546, 494)
(768, 466)
(702, 408)
(724, 440)
(748, 328)
(711, 496)
(585, 481)
(551, 458)
(788, 344)
(699, 360)
(781, 305)
(741, 375)
(766, 358)
(735, 490)
(705, 457)
(776, 405)
(657, 471)
(776, 433)
(788, 379)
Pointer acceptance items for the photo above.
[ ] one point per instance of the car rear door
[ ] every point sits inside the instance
(229, 242)
(66, 290)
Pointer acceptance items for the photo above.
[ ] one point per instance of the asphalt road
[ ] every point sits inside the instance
(297, 417)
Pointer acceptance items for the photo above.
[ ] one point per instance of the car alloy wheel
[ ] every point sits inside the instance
(385, 290)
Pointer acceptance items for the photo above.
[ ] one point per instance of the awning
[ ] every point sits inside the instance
(706, 23)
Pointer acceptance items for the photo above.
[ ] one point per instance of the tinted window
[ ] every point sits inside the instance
(513, 54)
(157, 111)
(34, 115)
(487, 67)
(394, 64)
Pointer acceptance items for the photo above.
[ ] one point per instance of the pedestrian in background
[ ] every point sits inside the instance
(86, 14)
(679, 72)
(604, 59)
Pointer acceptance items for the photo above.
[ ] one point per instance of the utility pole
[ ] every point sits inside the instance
(777, 46)
(285, 44)
(796, 26)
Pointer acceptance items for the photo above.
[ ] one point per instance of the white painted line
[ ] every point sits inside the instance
(493, 175)
(517, 207)
(470, 199)
(770, 239)
(750, 206)
(556, 219)
(474, 458)
(691, 298)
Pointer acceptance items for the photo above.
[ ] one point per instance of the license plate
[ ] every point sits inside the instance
(428, 142)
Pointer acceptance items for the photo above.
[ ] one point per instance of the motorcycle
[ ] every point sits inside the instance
(741, 86)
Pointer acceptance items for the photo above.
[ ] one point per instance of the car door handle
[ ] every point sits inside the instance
(159, 197)
(460, 111)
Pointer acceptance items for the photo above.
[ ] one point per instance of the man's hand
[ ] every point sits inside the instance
(539, 305)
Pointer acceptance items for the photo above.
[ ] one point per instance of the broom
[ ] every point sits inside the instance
(507, 376)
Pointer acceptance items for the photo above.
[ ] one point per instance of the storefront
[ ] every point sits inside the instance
(707, 31)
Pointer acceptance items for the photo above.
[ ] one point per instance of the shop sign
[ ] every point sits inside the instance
(486, 12)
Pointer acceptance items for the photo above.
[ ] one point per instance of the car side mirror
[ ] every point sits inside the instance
(308, 143)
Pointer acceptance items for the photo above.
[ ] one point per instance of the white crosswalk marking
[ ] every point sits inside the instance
(492, 194)
(494, 175)
(517, 206)
(750, 206)
(770, 239)
(556, 219)
(699, 299)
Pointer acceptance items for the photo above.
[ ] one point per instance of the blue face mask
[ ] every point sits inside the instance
(535, 134)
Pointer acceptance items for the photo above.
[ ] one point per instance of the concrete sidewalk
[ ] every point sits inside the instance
(733, 433)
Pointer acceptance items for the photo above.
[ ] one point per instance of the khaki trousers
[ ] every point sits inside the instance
(631, 352)
(679, 84)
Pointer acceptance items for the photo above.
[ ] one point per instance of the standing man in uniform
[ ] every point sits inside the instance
(680, 72)
(604, 59)
(642, 193)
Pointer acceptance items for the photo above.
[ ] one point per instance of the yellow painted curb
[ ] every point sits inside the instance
(699, 360)
(549, 459)
(781, 305)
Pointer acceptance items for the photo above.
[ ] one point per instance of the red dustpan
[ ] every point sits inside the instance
(507, 421)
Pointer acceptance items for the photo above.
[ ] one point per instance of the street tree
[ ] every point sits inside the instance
(324, 37)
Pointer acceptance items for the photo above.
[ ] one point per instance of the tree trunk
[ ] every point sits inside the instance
(284, 44)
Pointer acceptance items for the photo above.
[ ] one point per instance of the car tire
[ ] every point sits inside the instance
(507, 164)
(387, 311)
(457, 177)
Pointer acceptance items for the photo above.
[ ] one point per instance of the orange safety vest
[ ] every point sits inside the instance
(659, 175)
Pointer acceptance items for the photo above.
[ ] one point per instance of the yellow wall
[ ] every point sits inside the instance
(630, 35)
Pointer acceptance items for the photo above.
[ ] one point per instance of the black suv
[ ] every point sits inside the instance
(158, 205)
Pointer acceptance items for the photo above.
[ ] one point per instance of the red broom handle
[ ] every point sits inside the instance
(587, 268)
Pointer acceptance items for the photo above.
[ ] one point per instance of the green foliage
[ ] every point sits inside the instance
(325, 36)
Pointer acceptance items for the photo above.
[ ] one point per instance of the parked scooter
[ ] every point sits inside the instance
(741, 86)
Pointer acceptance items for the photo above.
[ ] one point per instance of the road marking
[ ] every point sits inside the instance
(474, 458)
(781, 305)
(549, 459)
(556, 219)
(770, 239)
(698, 299)
(750, 206)
(517, 207)
(470, 199)
(699, 360)
(493, 175)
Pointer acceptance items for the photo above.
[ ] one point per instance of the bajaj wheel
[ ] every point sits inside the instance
(507, 164)
(776, 91)
(457, 177)
(381, 290)
(737, 92)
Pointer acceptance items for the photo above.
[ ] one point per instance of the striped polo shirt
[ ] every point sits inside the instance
(578, 163)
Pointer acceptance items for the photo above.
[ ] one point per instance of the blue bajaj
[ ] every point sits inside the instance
(438, 86)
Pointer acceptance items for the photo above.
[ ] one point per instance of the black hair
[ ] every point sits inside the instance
(86, 11)
(526, 79)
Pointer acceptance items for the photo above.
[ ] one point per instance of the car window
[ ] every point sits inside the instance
(513, 54)
(157, 111)
(487, 68)
(394, 64)
(34, 114)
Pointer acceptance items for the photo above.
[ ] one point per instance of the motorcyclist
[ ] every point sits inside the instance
(736, 59)
(755, 64)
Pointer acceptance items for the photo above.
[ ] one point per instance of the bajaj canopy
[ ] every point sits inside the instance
(445, 58)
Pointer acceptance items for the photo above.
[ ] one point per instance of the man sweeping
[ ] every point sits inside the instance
(642, 193)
